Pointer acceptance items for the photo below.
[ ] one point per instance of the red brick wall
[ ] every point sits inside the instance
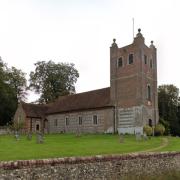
(129, 83)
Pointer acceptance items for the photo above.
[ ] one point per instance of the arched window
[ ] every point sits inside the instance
(80, 120)
(120, 62)
(145, 59)
(151, 63)
(130, 59)
(67, 121)
(149, 92)
(95, 119)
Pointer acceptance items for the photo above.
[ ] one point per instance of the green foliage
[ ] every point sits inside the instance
(17, 81)
(166, 126)
(148, 130)
(52, 80)
(17, 126)
(159, 130)
(11, 81)
(168, 101)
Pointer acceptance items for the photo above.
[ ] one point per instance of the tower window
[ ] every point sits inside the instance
(120, 62)
(149, 93)
(151, 64)
(145, 59)
(95, 119)
(80, 120)
(130, 60)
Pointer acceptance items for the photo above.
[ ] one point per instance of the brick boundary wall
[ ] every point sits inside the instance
(94, 167)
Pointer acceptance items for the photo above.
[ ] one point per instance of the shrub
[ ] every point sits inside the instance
(17, 126)
(148, 130)
(159, 130)
(166, 125)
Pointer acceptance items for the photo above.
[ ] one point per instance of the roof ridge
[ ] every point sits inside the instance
(97, 98)
(83, 92)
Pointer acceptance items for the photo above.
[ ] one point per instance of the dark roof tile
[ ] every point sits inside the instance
(82, 101)
(34, 110)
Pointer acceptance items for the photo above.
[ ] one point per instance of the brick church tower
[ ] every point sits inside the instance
(133, 85)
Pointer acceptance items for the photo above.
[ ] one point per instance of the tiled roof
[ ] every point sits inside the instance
(82, 101)
(34, 110)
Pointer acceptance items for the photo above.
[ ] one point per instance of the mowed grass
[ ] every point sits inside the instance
(173, 144)
(65, 145)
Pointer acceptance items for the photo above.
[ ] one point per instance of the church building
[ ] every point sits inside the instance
(126, 106)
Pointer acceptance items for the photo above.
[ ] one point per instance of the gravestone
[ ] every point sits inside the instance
(121, 138)
(39, 138)
(17, 137)
(145, 137)
(78, 132)
(29, 136)
(138, 137)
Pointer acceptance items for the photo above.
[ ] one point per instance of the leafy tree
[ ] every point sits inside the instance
(8, 104)
(166, 125)
(52, 80)
(18, 82)
(168, 97)
(8, 92)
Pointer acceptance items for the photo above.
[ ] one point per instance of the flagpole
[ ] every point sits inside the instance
(133, 28)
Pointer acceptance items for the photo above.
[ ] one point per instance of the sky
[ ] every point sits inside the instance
(81, 32)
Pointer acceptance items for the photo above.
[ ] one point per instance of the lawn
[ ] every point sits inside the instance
(173, 144)
(64, 145)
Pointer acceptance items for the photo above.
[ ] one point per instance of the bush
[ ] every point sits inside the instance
(159, 130)
(17, 126)
(148, 130)
(166, 125)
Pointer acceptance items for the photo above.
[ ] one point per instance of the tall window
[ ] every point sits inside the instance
(55, 122)
(149, 92)
(145, 59)
(80, 120)
(130, 59)
(151, 63)
(67, 121)
(120, 62)
(95, 119)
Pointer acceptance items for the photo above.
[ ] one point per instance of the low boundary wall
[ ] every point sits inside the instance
(94, 167)
(4, 130)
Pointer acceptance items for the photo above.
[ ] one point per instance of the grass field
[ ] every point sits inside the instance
(64, 145)
(173, 144)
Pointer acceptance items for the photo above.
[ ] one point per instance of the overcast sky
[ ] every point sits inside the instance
(81, 32)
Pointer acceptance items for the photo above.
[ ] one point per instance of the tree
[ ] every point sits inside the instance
(18, 82)
(52, 80)
(168, 97)
(8, 92)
